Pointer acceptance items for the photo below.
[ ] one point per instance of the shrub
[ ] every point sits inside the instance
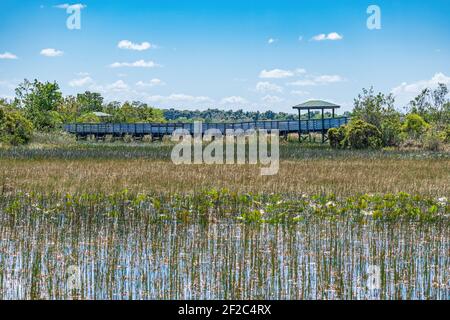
(336, 136)
(433, 141)
(362, 135)
(391, 131)
(446, 134)
(15, 129)
(414, 125)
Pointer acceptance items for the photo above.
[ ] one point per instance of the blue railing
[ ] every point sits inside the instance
(158, 129)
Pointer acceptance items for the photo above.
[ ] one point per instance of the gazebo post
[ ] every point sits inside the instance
(309, 121)
(299, 125)
(323, 125)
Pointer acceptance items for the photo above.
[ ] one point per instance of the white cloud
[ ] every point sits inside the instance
(405, 92)
(9, 84)
(74, 6)
(234, 100)
(82, 82)
(136, 64)
(300, 71)
(302, 83)
(128, 45)
(271, 99)
(331, 36)
(272, 40)
(328, 79)
(151, 83)
(8, 56)
(319, 80)
(119, 85)
(179, 98)
(275, 74)
(299, 92)
(264, 87)
(50, 52)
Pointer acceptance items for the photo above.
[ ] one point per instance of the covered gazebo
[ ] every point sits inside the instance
(314, 105)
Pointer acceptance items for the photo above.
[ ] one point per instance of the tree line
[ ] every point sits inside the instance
(377, 123)
(41, 106)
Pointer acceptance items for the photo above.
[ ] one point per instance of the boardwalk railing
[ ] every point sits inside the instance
(161, 129)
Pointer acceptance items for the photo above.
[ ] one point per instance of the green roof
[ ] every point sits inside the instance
(101, 114)
(318, 104)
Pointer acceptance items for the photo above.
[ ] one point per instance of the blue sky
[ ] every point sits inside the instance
(255, 55)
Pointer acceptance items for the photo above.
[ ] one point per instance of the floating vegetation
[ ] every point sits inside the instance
(218, 244)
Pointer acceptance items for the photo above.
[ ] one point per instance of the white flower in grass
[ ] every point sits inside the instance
(330, 204)
(442, 201)
(367, 213)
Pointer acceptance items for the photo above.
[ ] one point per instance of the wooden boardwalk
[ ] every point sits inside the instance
(159, 130)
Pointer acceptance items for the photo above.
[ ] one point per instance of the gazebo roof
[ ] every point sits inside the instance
(102, 114)
(316, 104)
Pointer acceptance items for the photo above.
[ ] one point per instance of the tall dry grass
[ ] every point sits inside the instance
(341, 177)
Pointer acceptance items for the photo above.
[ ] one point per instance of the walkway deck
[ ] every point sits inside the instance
(161, 129)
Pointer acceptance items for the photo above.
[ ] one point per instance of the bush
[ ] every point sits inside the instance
(15, 129)
(414, 125)
(391, 131)
(433, 141)
(337, 136)
(446, 134)
(362, 135)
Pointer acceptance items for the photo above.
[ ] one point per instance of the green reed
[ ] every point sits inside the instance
(217, 244)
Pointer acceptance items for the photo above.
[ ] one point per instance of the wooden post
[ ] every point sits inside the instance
(299, 125)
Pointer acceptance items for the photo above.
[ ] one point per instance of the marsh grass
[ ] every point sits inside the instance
(214, 245)
(138, 227)
(343, 177)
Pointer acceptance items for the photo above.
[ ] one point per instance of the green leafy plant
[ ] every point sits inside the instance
(362, 135)
(414, 125)
(15, 129)
(337, 136)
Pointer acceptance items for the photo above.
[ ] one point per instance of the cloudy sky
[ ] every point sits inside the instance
(255, 55)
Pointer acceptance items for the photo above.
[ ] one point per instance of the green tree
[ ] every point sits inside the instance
(89, 102)
(373, 108)
(432, 105)
(68, 109)
(40, 102)
(379, 111)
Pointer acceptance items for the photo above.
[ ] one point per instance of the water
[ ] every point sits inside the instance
(54, 257)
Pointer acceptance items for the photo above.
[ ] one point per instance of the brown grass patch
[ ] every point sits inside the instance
(341, 177)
